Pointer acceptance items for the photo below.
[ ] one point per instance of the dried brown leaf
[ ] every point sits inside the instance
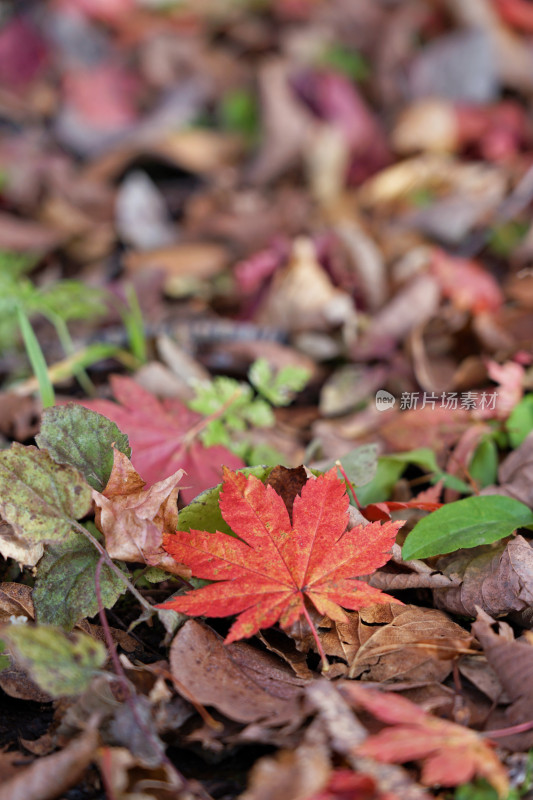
(243, 683)
(497, 578)
(49, 777)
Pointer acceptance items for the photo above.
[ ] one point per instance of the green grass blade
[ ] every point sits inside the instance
(37, 360)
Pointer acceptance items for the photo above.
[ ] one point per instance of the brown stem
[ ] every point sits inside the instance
(124, 682)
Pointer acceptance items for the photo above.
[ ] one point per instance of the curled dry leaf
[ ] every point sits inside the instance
(497, 578)
(512, 661)
(266, 574)
(134, 519)
(128, 778)
(302, 296)
(411, 644)
(302, 772)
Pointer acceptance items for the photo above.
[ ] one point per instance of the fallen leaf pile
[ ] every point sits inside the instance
(266, 401)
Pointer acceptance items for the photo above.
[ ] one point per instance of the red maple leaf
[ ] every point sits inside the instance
(161, 435)
(451, 753)
(264, 575)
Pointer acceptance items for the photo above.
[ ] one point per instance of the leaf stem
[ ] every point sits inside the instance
(348, 482)
(110, 563)
(325, 662)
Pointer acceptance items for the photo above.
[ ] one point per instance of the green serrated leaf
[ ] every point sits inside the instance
(82, 438)
(65, 591)
(59, 665)
(519, 423)
(278, 388)
(203, 513)
(38, 497)
(466, 523)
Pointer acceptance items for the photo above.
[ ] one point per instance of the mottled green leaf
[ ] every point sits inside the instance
(360, 464)
(38, 497)
(60, 665)
(65, 590)
(466, 523)
(203, 513)
(82, 438)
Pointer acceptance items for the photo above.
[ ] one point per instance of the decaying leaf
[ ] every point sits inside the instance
(512, 661)
(38, 497)
(498, 579)
(301, 773)
(60, 666)
(134, 519)
(265, 575)
(411, 644)
(451, 754)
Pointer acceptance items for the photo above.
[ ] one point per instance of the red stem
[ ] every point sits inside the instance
(348, 482)
(325, 662)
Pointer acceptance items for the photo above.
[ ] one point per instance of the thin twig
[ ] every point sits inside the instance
(124, 682)
(110, 563)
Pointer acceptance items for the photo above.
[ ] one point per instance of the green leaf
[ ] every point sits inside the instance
(74, 435)
(391, 467)
(65, 590)
(380, 487)
(519, 424)
(483, 466)
(4, 660)
(203, 513)
(38, 497)
(61, 666)
(37, 359)
(359, 464)
(466, 523)
(239, 113)
(348, 61)
(278, 388)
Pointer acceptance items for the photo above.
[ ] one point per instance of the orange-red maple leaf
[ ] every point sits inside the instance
(451, 753)
(265, 574)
